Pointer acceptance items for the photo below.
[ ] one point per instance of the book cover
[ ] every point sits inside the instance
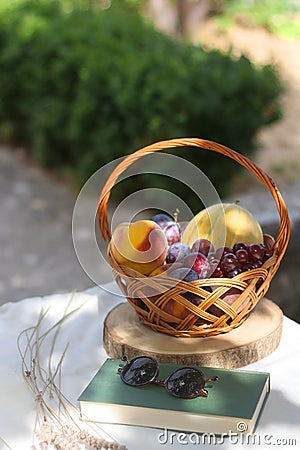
(237, 397)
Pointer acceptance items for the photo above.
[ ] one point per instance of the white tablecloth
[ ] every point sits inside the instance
(279, 425)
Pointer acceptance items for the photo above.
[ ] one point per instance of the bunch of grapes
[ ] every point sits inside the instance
(229, 262)
(204, 259)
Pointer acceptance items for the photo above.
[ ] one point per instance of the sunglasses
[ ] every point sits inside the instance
(185, 382)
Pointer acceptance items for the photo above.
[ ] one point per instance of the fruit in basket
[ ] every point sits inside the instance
(162, 219)
(221, 251)
(229, 262)
(176, 309)
(172, 306)
(184, 273)
(172, 232)
(140, 245)
(177, 252)
(203, 246)
(165, 269)
(199, 263)
(171, 227)
(223, 225)
(230, 297)
(256, 252)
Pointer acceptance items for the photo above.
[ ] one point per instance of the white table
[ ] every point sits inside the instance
(278, 427)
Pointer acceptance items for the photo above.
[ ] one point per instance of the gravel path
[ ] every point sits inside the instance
(37, 255)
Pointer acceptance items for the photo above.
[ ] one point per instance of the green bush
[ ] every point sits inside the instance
(81, 86)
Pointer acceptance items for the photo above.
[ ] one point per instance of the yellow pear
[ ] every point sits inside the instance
(223, 224)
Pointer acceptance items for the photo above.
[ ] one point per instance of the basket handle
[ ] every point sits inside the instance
(283, 235)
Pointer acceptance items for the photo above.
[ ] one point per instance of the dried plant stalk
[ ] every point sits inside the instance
(56, 427)
(2, 441)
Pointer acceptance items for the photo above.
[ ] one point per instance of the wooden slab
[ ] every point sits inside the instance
(256, 338)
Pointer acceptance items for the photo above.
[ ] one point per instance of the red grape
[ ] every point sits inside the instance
(217, 271)
(256, 263)
(256, 251)
(242, 256)
(248, 266)
(203, 246)
(239, 246)
(228, 262)
(234, 272)
(221, 251)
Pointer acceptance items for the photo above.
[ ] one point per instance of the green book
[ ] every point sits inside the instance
(234, 402)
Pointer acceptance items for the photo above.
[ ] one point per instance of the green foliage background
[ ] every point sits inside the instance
(81, 86)
(277, 16)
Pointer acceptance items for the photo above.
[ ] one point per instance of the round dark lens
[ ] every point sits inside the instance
(139, 371)
(185, 382)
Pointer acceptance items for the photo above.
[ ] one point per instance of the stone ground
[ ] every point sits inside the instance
(35, 231)
(37, 254)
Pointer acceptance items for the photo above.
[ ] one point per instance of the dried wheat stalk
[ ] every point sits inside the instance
(56, 427)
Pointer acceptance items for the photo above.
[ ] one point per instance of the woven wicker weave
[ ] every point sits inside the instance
(149, 295)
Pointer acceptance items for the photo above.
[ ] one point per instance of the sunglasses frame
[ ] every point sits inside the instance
(154, 379)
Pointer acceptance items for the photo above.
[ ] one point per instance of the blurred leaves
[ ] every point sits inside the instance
(277, 16)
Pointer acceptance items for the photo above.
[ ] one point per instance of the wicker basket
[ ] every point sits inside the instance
(214, 315)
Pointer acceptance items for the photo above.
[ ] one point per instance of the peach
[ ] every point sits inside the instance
(180, 311)
(161, 270)
(176, 309)
(140, 245)
(172, 307)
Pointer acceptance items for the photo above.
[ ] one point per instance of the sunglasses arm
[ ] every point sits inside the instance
(121, 368)
(209, 380)
(203, 392)
(125, 359)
